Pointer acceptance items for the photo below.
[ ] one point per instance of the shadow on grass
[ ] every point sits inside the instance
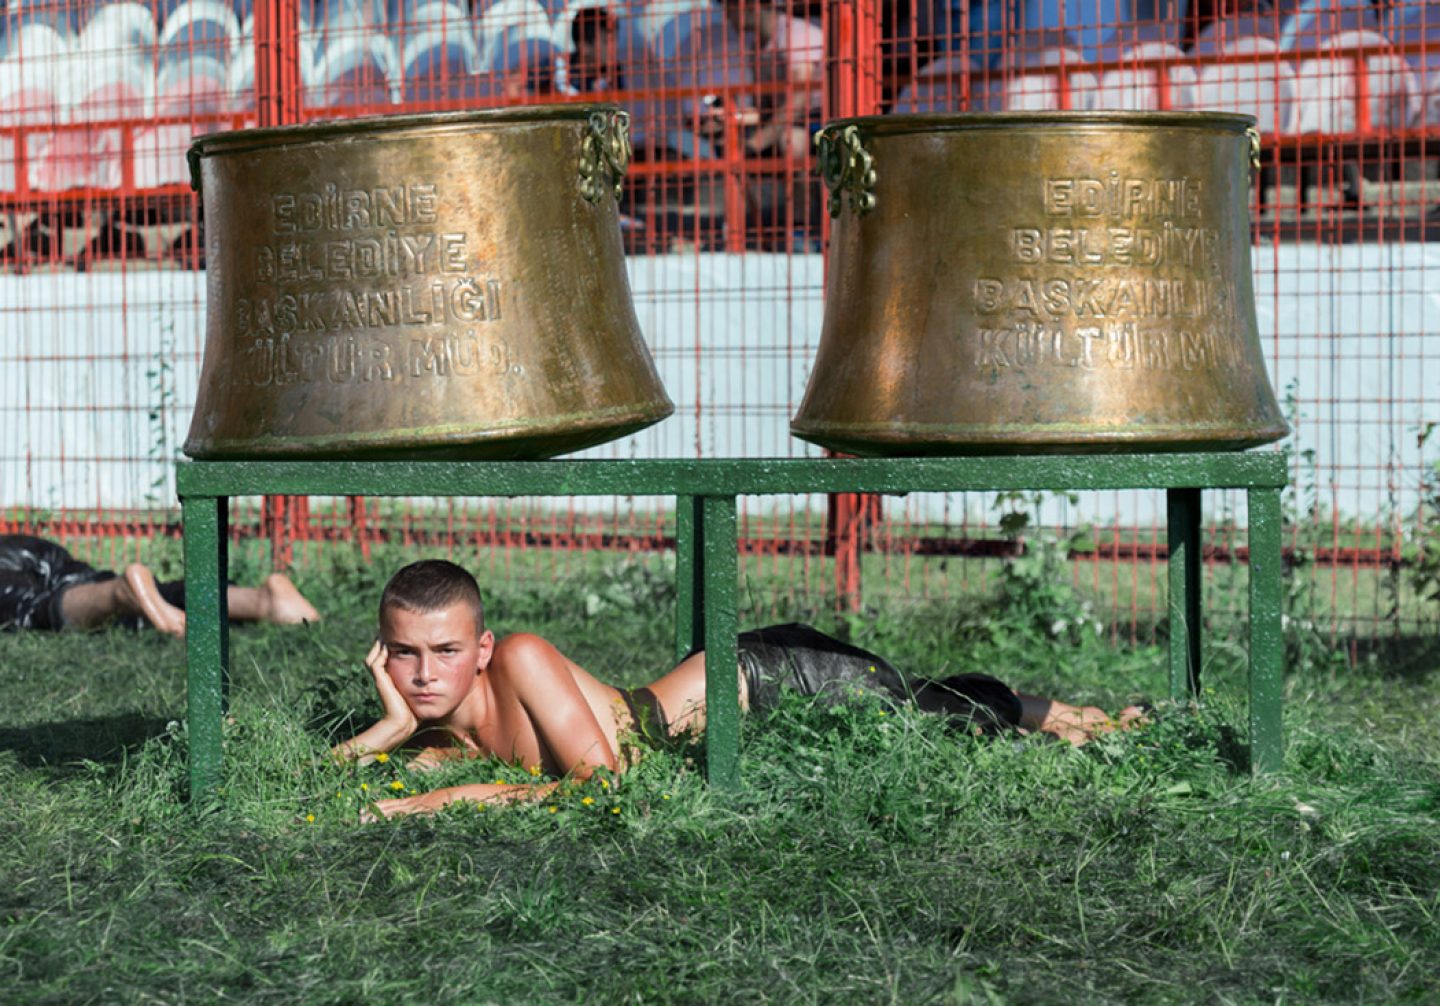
(105, 739)
(1413, 658)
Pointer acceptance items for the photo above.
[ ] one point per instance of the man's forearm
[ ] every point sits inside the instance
(382, 738)
(477, 792)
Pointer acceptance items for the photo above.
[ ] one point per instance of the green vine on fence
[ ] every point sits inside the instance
(160, 382)
(1423, 554)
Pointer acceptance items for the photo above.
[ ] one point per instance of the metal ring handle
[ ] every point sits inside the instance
(847, 168)
(604, 154)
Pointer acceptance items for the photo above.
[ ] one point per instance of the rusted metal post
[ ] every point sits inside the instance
(277, 103)
(852, 87)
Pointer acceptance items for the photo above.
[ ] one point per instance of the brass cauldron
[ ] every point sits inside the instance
(1053, 282)
(447, 285)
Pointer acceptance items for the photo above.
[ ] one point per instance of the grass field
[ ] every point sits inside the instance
(872, 857)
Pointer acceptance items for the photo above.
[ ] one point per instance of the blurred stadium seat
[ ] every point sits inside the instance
(1327, 90)
(123, 26)
(439, 65)
(976, 27)
(358, 70)
(1114, 44)
(27, 98)
(938, 87)
(1138, 89)
(1264, 89)
(1218, 34)
(493, 28)
(200, 29)
(524, 66)
(1317, 21)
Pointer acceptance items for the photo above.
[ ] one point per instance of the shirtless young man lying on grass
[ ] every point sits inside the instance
(449, 689)
(42, 586)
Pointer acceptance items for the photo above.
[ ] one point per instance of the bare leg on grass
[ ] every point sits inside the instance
(88, 605)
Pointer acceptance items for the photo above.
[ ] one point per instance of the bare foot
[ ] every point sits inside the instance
(285, 604)
(138, 595)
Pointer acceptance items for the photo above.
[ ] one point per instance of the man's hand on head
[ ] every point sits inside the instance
(396, 726)
(397, 711)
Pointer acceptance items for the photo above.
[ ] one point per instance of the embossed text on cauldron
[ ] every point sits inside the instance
(1039, 282)
(446, 285)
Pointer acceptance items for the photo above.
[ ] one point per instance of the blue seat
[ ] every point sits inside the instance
(1318, 20)
(348, 13)
(1087, 21)
(944, 27)
(21, 13)
(1216, 36)
(439, 67)
(1044, 47)
(936, 88)
(200, 27)
(412, 12)
(120, 27)
(358, 70)
(1419, 25)
(1115, 45)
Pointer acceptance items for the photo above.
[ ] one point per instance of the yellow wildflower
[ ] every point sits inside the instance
(499, 782)
(397, 785)
(614, 810)
(382, 757)
(364, 787)
(553, 809)
(309, 818)
(605, 783)
(872, 668)
(588, 800)
(665, 796)
(534, 770)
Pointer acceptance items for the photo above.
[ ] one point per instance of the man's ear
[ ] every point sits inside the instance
(487, 650)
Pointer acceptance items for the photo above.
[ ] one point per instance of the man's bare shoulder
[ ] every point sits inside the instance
(524, 658)
(525, 647)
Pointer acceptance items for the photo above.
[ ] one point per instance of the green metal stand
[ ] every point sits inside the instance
(706, 570)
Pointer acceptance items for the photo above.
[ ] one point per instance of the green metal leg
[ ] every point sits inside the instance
(689, 576)
(206, 636)
(1267, 647)
(1183, 511)
(722, 695)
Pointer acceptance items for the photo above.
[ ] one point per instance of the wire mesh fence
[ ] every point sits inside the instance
(102, 253)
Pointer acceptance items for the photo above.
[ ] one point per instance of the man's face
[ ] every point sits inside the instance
(596, 55)
(434, 657)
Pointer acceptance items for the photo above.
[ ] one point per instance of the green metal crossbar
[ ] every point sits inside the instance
(707, 571)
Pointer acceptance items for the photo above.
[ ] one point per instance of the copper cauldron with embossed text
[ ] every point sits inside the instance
(447, 285)
(1039, 282)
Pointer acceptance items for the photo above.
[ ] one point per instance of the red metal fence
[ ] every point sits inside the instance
(102, 246)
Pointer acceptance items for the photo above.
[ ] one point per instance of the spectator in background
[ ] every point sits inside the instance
(784, 206)
(525, 68)
(595, 52)
(791, 75)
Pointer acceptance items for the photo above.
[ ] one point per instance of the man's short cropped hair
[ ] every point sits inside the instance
(430, 585)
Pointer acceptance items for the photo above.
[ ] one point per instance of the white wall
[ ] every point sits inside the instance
(99, 370)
